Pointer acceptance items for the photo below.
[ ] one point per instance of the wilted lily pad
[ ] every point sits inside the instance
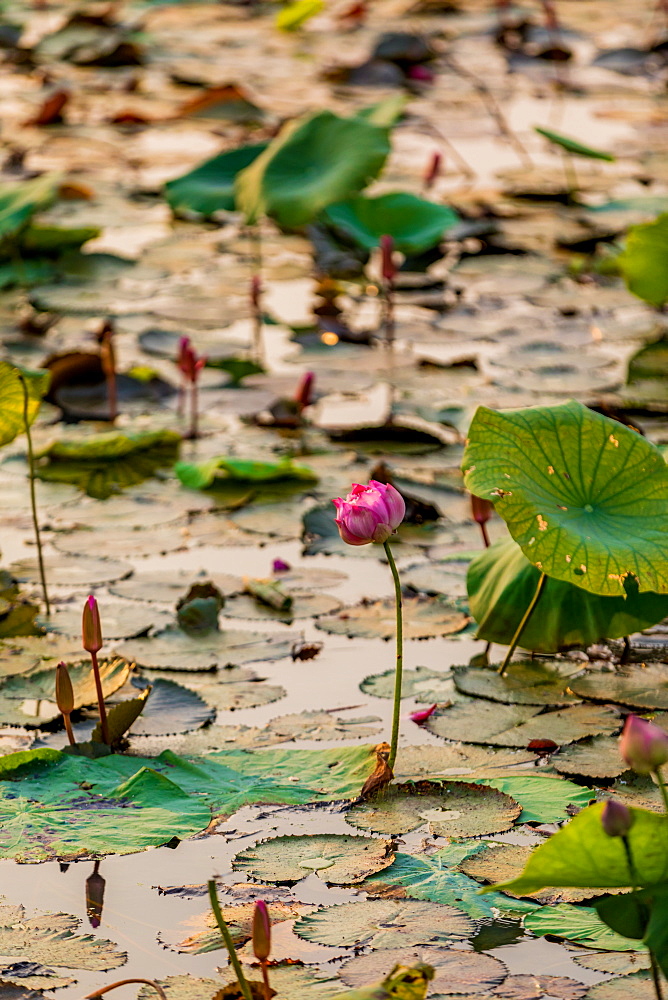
(641, 686)
(385, 924)
(322, 726)
(528, 682)
(450, 809)
(337, 859)
(457, 972)
(468, 763)
(423, 684)
(597, 758)
(175, 650)
(423, 619)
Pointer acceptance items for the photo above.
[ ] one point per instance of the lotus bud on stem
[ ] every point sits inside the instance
(229, 944)
(65, 698)
(33, 497)
(481, 510)
(262, 942)
(388, 272)
(108, 359)
(433, 170)
(644, 747)
(91, 630)
(190, 365)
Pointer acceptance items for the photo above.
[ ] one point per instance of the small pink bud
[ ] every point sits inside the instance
(261, 931)
(387, 265)
(422, 714)
(481, 510)
(255, 291)
(303, 395)
(90, 626)
(421, 73)
(616, 819)
(643, 745)
(280, 566)
(188, 361)
(369, 513)
(433, 170)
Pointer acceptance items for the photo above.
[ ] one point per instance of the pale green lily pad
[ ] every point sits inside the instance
(640, 686)
(385, 924)
(450, 809)
(475, 721)
(580, 924)
(470, 763)
(53, 940)
(447, 578)
(321, 726)
(230, 697)
(423, 684)
(174, 650)
(424, 618)
(622, 963)
(119, 621)
(456, 971)
(71, 571)
(638, 986)
(303, 606)
(338, 859)
(167, 588)
(543, 797)
(527, 682)
(597, 758)
(30, 699)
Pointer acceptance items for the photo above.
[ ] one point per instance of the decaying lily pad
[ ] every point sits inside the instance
(466, 762)
(423, 618)
(423, 684)
(641, 686)
(172, 649)
(239, 919)
(451, 809)
(71, 571)
(337, 859)
(598, 757)
(52, 940)
(321, 726)
(385, 924)
(457, 972)
(302, 606)
(527, 682)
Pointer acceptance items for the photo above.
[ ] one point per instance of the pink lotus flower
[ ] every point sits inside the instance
(369, 513)
(643, 745)
(188, 361)
(616, 818)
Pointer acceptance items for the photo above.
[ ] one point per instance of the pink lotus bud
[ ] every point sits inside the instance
(280, 566)
(90, 627)
(433, 170)
(369, 513)
(422, 714)
(387, 265)
(64, 691)
(261, 931)
(255, 291)
(421, 73)
(643, 745)
(304, 390)
(481, 509)
(616, 818)
(188, 361)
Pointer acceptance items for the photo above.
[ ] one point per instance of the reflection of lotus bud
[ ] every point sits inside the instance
(643, 745)
(90, 626)
(95, 896)
(616, 819)
(481, 509)
(387, 266)
(64, 692)
(261, 931)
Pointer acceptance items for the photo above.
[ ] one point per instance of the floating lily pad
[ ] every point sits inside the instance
(172, 708)
(29, 699)
(580, 924)
(291, 982)
(147, 541)
(622, 963)
(302, 606)
(321, 726)
(423, 684)
(527, 682)
(385, 924)
(544, 798)
(642, 686)
(638, 986)
(447, 578)
(166, 588)
(174, 650)
(596, 758)
(470, 763)
(71, 571)
(475, 721)
(450, 809)
(239, 919)
(338, 860)
(456, 971)
(423, 619)
(119, 621)
(303, 579)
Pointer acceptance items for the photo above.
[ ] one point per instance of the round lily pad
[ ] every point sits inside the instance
(174, 650)
(291, 982)
(303, 606)
(597, 758)
(119, 621)
(638, 986)
(30, 699)
(172, 708)
(167, 588)
(71, 571)
(385, 923)
(620, 963)
(455, 971)
(528, 682)
(465, 762)
(132, 542)
(423, 619)
(303, 579)
(321, 726)
(450, 809)
(447, 578)
(230, 697)
(641, 686)
(239, 919)
(423, 684)
(338, 859)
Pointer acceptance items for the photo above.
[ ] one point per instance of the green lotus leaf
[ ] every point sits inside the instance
(19, 202)
(585, 497)
(413, 223)
(337, 859)
(209, 187)
(12, 398)
(573, 146)
(219, 471)
(644, 261)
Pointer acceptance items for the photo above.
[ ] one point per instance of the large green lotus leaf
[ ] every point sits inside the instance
(580, 924)
(172, 649)
(456, 972)
(573, 146)
(29, 699)
(424, 617)
(413, 223)
(209, 187)
(219, 471)
(644, 261)
(501, 582)
(584, 496)
(527, 682)
(638, 986)
(313, 162)
(385, 923)
(595, 758)
(639, 685)
(12, 398)
(475, 721)
(582, 854)
(423, 684)
(337, 859)
(450, 809)
(544, 799)
(434, 877)
(19, 202)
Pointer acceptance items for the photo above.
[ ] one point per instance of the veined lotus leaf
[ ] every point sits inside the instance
(423, 619)
(544, 799)
(435, 877)
(321, 726)
(71, 571)
(451, 809)
(29, 699)
(239, 919)
(11, 394)
(291, 982)
(337, 859)
(172, 649)
(455, 971)
(528, 682)
(638, 986)
(580, 924)
(385, 923)
(413, 223)
(501, 582)
(622, 963)
(641, 686)
(209, 187)
(643, 261)
(52, 940)
(19, 202)
(585, 497)
(582, 854)
(219, 471)
(573, 146)
(423, 684)
(475, 721)
(312, 162)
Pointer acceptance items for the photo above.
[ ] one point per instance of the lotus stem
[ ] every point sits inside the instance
(100, 700)
(662, 788)
(227, 938)
(522, 625)
(68, 729)
(656, 976)
(33, 498)
(193, 433)
(126, 982)
(265, 980)
(394, 740)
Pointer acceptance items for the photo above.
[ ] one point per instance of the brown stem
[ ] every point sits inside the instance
(68, 729)
(33, 497)
(126, 982)
(193, 412)
(100, 700)
(485, 535)
(265, 980)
